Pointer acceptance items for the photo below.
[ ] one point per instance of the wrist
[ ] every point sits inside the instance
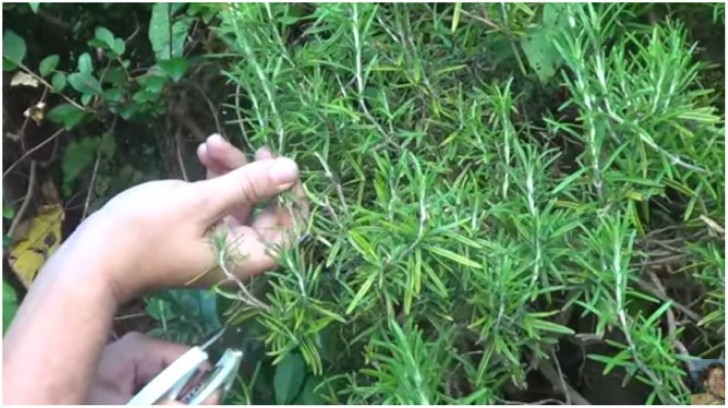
(87, 258)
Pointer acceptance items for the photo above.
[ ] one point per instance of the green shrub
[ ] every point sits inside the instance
(471, 213)
(501, 194)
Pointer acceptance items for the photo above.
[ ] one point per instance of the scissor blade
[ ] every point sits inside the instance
(212, 340)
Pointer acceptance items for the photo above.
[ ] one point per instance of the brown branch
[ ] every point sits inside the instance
(26, 201)
(679, 306)
(671, 325)
(91, 184)
(546, 401)
(49, 86)
(553, 375)
(210, 105)
(31, 151)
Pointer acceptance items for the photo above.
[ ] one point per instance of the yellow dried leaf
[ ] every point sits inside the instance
(28, 255)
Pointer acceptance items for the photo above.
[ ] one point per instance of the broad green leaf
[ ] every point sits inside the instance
(153, 84)
(127, 111)
(179, 36)
(105, 36)
(77, 157)
(288, 378)
(308, 394)
(8, 212)
(538, 45)
(85, 83)
(112, 96)
(167, 43)
(58, 80)
(48, 64)
(158, 309)
(86, 99)
(96, 43)
(119, 46)
(34, 7)
(14, 50)
(195, 304)
(116, 76)
(66, 114)
(159, 32)
(174, 68)
(10, 305)
(85, 65)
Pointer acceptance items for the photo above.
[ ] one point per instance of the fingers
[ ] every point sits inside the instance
(150, 356)
(247, 185)
(264, 154)
(219, 156)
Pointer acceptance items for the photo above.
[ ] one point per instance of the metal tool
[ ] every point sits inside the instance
(168, 384)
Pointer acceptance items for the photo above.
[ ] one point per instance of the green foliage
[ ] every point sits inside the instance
(66, 114)
(460, 225)
(186, 316)
(100, 83)
(488, 182)
(10, 305)
(14, 50)
(289, 378)
(77, 157)
(167, 35)
(538, 45)
(48, 64)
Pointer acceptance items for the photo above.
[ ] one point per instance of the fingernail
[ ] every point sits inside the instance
(284, 171)
(215, 138)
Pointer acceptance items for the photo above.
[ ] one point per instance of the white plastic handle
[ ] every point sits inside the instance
(166, 381)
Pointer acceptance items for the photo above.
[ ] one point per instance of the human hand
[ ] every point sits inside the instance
(160, 234)
(129, 364)
(219, 157)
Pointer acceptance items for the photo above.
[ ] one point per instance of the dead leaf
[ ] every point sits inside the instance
(27, 256)
(49, 192)
(36, 113)
(23, 79)
(712, 225)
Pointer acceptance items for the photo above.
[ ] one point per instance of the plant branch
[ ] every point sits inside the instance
(31, 151)
(26, 202)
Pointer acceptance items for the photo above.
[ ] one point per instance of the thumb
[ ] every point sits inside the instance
(246, 185)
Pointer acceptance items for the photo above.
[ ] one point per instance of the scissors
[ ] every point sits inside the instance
(168, 384)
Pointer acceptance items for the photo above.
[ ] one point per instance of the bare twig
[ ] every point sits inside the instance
(136, 29)
(210, 105)
(129, 316)
(26, 201)
(539, 402)
(564, 386)
(671, 325)
(47, 85)
(31, 151)
(482, 19)
(679, 306)
(557, 379)
(178, 142)
(91, 184)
